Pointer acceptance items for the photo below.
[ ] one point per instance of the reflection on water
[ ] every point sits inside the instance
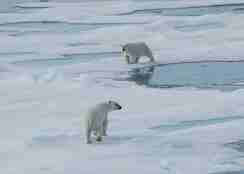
(141, 75)
(216, 75)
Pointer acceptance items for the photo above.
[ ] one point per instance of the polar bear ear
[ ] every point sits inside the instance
(110, 102)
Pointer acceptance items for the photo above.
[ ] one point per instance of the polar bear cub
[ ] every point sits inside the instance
(97, 120)
(133, 51)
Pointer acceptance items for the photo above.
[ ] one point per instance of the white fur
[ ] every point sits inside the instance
(134, 51)
(96, 120)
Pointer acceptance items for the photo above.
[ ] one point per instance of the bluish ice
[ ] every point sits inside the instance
(215, 75)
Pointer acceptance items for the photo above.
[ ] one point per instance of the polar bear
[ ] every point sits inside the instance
(96, 120)
(133, 51)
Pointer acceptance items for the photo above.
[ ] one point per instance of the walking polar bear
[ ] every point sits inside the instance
(134, 51)
(96, 120)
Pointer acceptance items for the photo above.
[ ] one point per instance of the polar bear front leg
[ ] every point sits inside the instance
(127, 59)
(99, 134)
(137, 59)
(134, 59)
(152, 59)
(105, 126)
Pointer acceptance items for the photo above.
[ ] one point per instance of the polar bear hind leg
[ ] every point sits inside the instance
(88, 135)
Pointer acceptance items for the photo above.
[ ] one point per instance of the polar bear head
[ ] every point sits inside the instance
(125, 51)
(114, 105)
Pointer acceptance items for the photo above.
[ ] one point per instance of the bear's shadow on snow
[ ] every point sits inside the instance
(114, 139)
(74, 139)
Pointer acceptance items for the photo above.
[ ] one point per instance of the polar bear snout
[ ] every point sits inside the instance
(119, 107)
(114, 105)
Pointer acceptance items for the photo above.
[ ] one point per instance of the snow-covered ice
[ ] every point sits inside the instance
(58, 57)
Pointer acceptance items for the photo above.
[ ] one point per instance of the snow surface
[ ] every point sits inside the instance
(57, 59)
